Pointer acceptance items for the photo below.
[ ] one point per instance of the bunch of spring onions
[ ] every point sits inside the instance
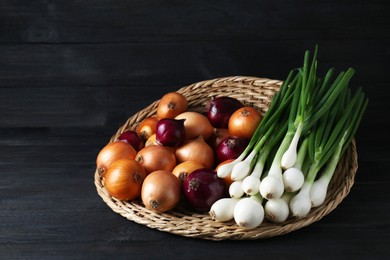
(287, 166)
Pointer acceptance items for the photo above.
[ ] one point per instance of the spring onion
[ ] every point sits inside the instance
(343, 122)
(319, 188)
(277, 210)
(307, 107)
(293, 177)
(235, 189)
(223, 209)
(290, 160)
(251, 183)
(249, 212)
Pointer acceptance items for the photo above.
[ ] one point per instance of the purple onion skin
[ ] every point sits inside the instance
(132, 138)
(202, 188)
(230, 148)
(220, 109)
(170, 132)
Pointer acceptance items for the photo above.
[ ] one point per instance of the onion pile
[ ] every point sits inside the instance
(171, 157)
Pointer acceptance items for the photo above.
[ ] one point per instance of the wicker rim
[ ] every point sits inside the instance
(252, 91)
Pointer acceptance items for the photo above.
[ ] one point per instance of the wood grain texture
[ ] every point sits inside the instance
(72, 72)
(156, 21)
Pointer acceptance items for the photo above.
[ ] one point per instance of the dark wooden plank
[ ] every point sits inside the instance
(53, 220)
(150, 21)
(59, 107)
(34, 91)
(100, 107)
(176, 64)
(71, 72)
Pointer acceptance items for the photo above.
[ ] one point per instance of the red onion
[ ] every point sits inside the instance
(218, 135)
(220, 109)
(132, 138)
(170, 132)
(230, 148)
(202, 188)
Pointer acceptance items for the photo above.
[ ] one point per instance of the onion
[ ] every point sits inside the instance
(182, 170)
(124, 178)
(276, 210)
(112, 152)
(202, 188)
(218, 135)
(244, 122)
(223, 209)
(293, 179)
(227, 179)
(171, 105)
(196, 124)
(230, 148)
(132, 138)
(248, 213)
(170, 132)
(235, 189)
(156, 157)
(195, 150)
(151, 140)
(147, 127)
(220, 109)
(161, 191)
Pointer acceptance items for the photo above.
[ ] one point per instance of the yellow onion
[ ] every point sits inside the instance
(171, 105)
(182, 170)
(244, 122)
(147, 127)
(161, 191)
(151, 140)
(113, 152)
(196, 150)
(124, 178)
(196, 124)
(156, 157)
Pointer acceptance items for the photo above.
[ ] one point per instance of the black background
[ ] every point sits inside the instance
(72, 72)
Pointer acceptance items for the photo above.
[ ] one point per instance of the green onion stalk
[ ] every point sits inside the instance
(327, 141)
(319, 188)
(312, 99)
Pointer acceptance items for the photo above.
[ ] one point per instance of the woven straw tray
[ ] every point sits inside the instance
(256, 92)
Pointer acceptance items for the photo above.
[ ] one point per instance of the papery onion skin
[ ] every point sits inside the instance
(196, 150)
(161, 191)
(170, 132)
(219, 110)
(196, 124)
(113, 152)
(202, 188)
(124, 178)
(230, 148)
(132, 138)
(171, 105)
(156, 157)
(244, 122)
(182, 170)
(147, 127)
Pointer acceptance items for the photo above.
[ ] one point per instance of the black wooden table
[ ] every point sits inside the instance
(72, 72)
